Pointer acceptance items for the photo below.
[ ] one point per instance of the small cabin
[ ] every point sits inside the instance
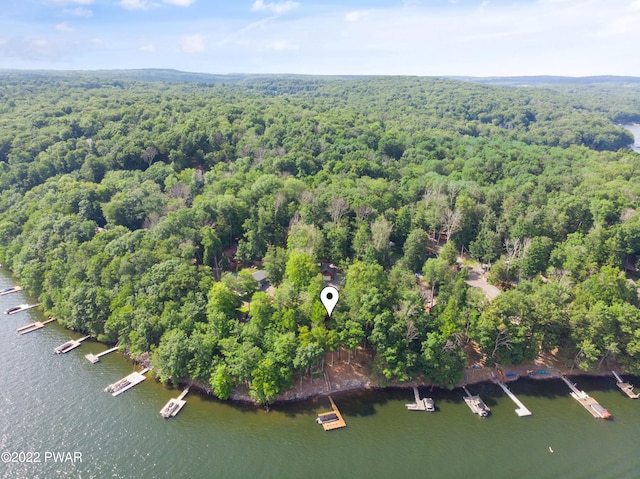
(327, 274)
(260, 276)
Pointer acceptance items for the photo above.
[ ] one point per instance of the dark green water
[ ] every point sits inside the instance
(52, 403)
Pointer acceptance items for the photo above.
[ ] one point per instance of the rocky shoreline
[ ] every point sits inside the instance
(355, 376)
(317, 388)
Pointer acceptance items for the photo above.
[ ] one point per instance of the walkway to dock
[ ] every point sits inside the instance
(173, 407)
(95, 358)
(425, 404)
(69, 345)
(521, 410)
(126, 383)
(331, 420)
(29, 328)
(587, 401)
(625, 387)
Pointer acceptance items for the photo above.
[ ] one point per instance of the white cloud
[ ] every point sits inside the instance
(65, 27)
(137, 4)
(635, 5)
(180, 3)
(355, 16)
(192, 44)
(78, 12)
(274, 7)
(282, 45)
(33, 49)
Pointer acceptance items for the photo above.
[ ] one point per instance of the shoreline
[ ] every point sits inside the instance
(359, 379)
(240, 393)
(242, 398)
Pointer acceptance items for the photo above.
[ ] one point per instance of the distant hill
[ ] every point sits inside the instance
(177, 76)
(546, 80)
(160, 75)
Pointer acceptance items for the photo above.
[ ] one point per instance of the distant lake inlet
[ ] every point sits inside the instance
(635, 131)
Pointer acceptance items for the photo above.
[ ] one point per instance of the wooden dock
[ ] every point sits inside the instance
(626, 388)
(21, 307)
(69, 345)
(476, 404)
(173, 407)
(424, 404)
(95, 358)
(126, 383)
(521, 410)
(13, 289)
(29, 328)
(587, 401)
(331, 420)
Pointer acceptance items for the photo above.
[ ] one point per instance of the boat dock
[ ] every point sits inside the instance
(625, 387)
(69, 345)
(424, 404)
(476, 404)
(95, 358)
(21, 307)
(126, 383)
(521, 410)
(13, 289)
(29, 328)
(173, 407)
(331, 420)
(587, 401)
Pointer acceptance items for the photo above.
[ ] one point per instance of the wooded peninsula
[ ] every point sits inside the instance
(196, 218)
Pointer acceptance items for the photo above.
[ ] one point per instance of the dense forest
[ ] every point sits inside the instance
(138, 210)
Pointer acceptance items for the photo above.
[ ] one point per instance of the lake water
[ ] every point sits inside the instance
(635, 130)
(52, 403)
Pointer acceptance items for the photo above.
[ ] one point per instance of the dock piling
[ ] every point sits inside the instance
(476, 404)
(173, 407)
(521, 410)
(424, 404)
(626, 388)
(29, 328)
(587, 401)
(95, 358)
(331, 420)
(126, 383)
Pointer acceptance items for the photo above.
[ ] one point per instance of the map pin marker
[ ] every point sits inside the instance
(329, 297)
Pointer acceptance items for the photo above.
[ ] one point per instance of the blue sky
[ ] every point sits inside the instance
(431, 37)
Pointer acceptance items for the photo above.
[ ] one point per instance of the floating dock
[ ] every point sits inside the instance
(173, 407)
(331, 420)
(69, 345)
(29, 328)
(13, 289)
(521, 410)
(126, 383)
(95, 358)
(625, 387)
(476, 404)
(21, 307)
(587, 401)
(424, 404)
